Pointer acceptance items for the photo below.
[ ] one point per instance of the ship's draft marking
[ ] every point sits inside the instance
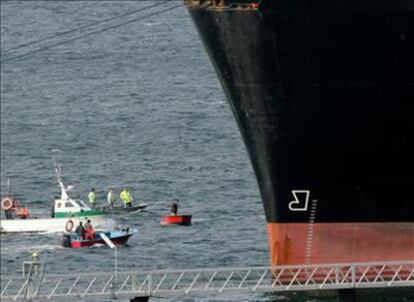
(294, 205)
(309, 241)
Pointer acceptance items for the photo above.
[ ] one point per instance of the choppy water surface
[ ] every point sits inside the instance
(137, 105)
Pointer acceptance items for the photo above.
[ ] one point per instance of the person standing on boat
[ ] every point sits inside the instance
(92, 198)
(80, 230)
(111, 197)
(174, 207)
(9, 204)
(8, 213)
(90, 231)
(126, 197)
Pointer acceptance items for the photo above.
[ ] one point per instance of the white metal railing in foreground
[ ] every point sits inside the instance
(44, 287)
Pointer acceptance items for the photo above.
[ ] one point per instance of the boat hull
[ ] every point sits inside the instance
(298, 243)
(176, 219)
(323, 95)
(121, 210)
(121, 240)
(53, 225)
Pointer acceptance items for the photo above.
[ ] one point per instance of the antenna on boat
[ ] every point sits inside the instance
(58, 170)
(5, 187)
(8, 187)
(59, 177)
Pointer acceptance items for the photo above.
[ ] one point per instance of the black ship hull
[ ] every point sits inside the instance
(323, 93)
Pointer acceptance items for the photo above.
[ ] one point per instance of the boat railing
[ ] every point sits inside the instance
(168, 283)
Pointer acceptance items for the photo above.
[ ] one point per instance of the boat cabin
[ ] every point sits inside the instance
(68, 207)
(65, 207)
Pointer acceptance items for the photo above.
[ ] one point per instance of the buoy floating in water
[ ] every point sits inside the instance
(176, 219)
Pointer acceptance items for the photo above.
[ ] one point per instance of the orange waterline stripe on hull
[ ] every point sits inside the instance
(305, 243)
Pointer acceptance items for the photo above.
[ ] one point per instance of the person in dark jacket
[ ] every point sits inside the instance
(174, 207)
(80, 230)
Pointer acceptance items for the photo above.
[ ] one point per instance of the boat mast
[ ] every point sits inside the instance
(8, 187)
(59, 176)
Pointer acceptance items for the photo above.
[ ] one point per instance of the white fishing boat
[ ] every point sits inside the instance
(39, 225)
(65, 216)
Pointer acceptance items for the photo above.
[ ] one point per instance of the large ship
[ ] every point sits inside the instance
(323, 94)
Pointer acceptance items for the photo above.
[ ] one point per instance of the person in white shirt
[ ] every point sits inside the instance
(111, 197)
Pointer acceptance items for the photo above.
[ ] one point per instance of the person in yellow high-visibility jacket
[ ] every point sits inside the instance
(92, 198)
(126, 197)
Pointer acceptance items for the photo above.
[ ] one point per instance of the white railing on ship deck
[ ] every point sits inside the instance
(44, 287)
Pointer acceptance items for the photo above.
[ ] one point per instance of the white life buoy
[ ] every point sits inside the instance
(7, 203)
(69, 225)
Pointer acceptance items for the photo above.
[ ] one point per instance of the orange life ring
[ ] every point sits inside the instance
(69, 225)
(7, 203)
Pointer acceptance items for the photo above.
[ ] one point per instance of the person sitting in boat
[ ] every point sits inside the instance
(174, 207)
(92, 198)
(111, 197)
(80, 230)
(90, 231)
(126, 197)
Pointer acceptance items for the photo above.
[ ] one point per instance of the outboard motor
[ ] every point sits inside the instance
(66, 240)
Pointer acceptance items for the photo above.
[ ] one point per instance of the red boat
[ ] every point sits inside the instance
(117, 237)
(176, 219)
